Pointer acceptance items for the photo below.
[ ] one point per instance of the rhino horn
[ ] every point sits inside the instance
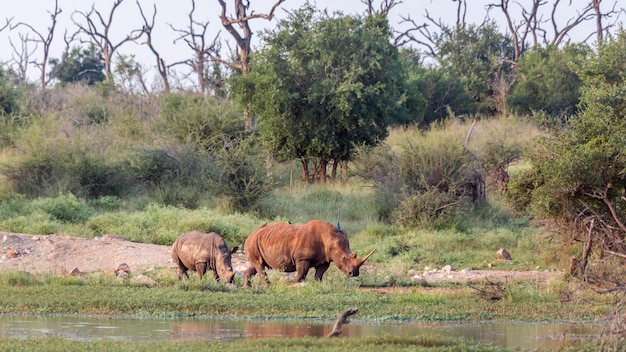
(367, 256)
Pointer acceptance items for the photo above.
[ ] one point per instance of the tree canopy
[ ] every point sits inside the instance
(79, 65)
(322, 85)
(547, 81)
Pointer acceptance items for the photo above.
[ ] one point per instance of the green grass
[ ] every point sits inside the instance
(98, 294)
(307, 344)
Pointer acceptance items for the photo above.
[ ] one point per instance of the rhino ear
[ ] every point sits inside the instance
(234, 250)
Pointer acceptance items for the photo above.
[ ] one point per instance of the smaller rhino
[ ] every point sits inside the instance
(197, 251)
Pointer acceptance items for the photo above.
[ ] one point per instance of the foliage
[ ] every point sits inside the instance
(79, 65)
(201, 120)
(298, 344)
(322, 85)
(479, 55)
(48, 166)
(430, 178)
(240, 176)
(433, 94)
(9, 107)
(577, 175)
(547, 81)
(8, 94)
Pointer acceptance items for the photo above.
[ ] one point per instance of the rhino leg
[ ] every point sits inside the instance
(182, 271)
(201, 269)
(320, 270)
(247, 274)
(302, 268)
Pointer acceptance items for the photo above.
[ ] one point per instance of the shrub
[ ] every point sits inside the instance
(239, 174)
(197, 119)
(65, 208)
(427, 178)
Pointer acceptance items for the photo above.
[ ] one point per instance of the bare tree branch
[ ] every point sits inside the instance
(46, 41)
(99, 34)
(243, 38)
(7, 24)
(383, 9)
(162, 68)
(195, 36)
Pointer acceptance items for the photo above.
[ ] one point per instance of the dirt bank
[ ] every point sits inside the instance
(63, 254)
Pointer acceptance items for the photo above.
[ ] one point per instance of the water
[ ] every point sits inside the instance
(506, 334)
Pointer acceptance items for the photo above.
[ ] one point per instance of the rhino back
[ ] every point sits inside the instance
(281, 245)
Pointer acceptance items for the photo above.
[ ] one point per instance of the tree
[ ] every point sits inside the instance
(243, 39)
(432, 94)
(162, 68)
(195, 36)
(547, 81)
(577, 176)
(480, 56)
(46, 42)
(322, 85)
(79, 65)
(98, 30)
(530, 30)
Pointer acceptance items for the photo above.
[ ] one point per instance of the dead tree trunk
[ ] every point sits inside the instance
(343, 319)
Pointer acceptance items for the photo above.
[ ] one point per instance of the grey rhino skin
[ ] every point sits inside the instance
(198, 251)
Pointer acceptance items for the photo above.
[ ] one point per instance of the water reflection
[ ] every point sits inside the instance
(506, 334)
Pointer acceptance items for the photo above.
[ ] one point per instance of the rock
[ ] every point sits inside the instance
(122, 269)
(418, 279)
(121, 274)
(144, 280)
(48, 242)
(75, 272)
(448, 268)
(111, 237)
(503, 254)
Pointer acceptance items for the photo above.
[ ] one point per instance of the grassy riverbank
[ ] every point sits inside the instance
(366, 344)
(102, 295)
(99, 294)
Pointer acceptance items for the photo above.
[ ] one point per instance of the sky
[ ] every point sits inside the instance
(175, 13)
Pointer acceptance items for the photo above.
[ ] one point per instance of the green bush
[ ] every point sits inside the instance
(64, 208)
(426, 180)
(240, 177)
(197, 119)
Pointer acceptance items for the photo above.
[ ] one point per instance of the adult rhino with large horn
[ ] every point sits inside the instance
(298, 248)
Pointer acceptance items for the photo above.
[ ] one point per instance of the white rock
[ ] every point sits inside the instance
(448, 268)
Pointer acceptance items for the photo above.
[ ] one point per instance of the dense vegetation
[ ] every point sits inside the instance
(434, 164)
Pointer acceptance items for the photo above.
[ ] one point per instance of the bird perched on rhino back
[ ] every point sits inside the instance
(298, 248)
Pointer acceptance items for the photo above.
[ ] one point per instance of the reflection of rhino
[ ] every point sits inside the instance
(298, 248)
(197, 251)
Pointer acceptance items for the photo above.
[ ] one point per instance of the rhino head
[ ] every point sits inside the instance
(224, 266)
(350, 264)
